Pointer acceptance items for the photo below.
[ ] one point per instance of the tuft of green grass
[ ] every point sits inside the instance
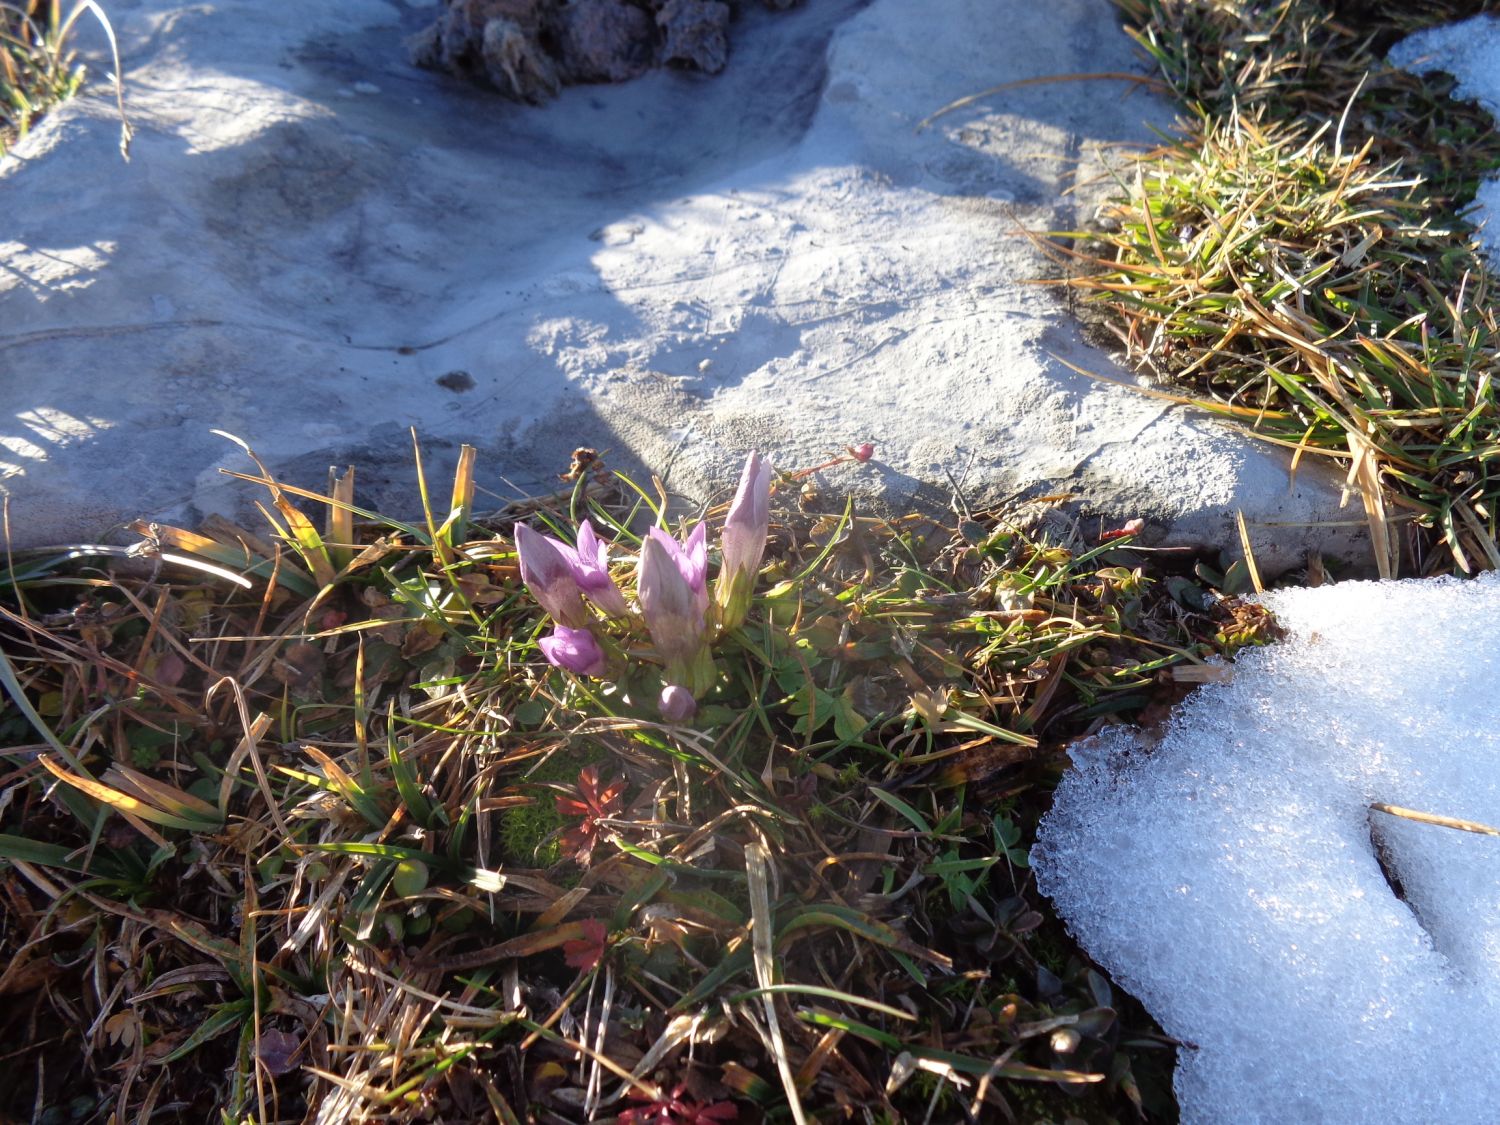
(39, 65)
(269, 840)
(1295, 260)
(1310, 62)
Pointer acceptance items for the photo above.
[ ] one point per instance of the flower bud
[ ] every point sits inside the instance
(744, 542)
(677, 704)
(674, 608)
(668, 601)
(574, 650)
(690, 557)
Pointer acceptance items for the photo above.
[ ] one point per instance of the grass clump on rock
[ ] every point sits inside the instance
(37, 68)
(261, 857)
(1296, 261)
(38, 64)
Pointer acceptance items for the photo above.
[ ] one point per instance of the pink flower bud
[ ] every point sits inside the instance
(669, 603)
(677, 704)
(574, 650)
(690, 557)
(861, 452)
(744, 541)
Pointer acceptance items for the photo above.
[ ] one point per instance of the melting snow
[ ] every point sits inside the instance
(1232, 875)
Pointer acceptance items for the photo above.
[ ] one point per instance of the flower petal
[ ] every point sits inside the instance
(549, 576)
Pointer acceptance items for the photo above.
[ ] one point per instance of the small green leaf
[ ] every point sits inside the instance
(531, 714)
(226, 1018)
(911, 814)
(410, 878)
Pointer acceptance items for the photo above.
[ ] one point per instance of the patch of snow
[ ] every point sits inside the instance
(1231, 874)
(1470, 51)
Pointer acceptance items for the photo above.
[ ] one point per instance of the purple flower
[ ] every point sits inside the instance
(677, 704)
(669, 602)
(744, 541)
(690, 557)
(549, 575)
(590, 563)
(671, 586)
(574, 650)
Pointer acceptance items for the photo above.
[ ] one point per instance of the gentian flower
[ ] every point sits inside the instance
(549, 576)
(671, 585)
(575, 650)
(691, 558)
(677, 704)
(590, 563)
(744, 542)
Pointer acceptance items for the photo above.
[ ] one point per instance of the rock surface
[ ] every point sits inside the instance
(318, 246)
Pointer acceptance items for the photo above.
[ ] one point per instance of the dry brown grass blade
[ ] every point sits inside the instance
(1165, 396)
(253, 733)
(461, 504)
(230, 534)
(762, 945)
(1434, 819)
(1043, 698)
(136, 808)
(532, 942)
(155, 629)
(1364, 476)
(251, 745)
(300, 529)
(560, 909)
(1239, 517)
(159, 792)
(340, 519)
(1481, 535)
(1202, 673)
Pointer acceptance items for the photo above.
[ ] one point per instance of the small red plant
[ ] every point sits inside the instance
(1131, 527)
(592, 805)
(677, 1108)
(584, 953)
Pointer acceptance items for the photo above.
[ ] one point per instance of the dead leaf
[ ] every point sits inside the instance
(300, 668)
(27, 976)
(123, 1028)
(421, 637)
(277, 1051)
